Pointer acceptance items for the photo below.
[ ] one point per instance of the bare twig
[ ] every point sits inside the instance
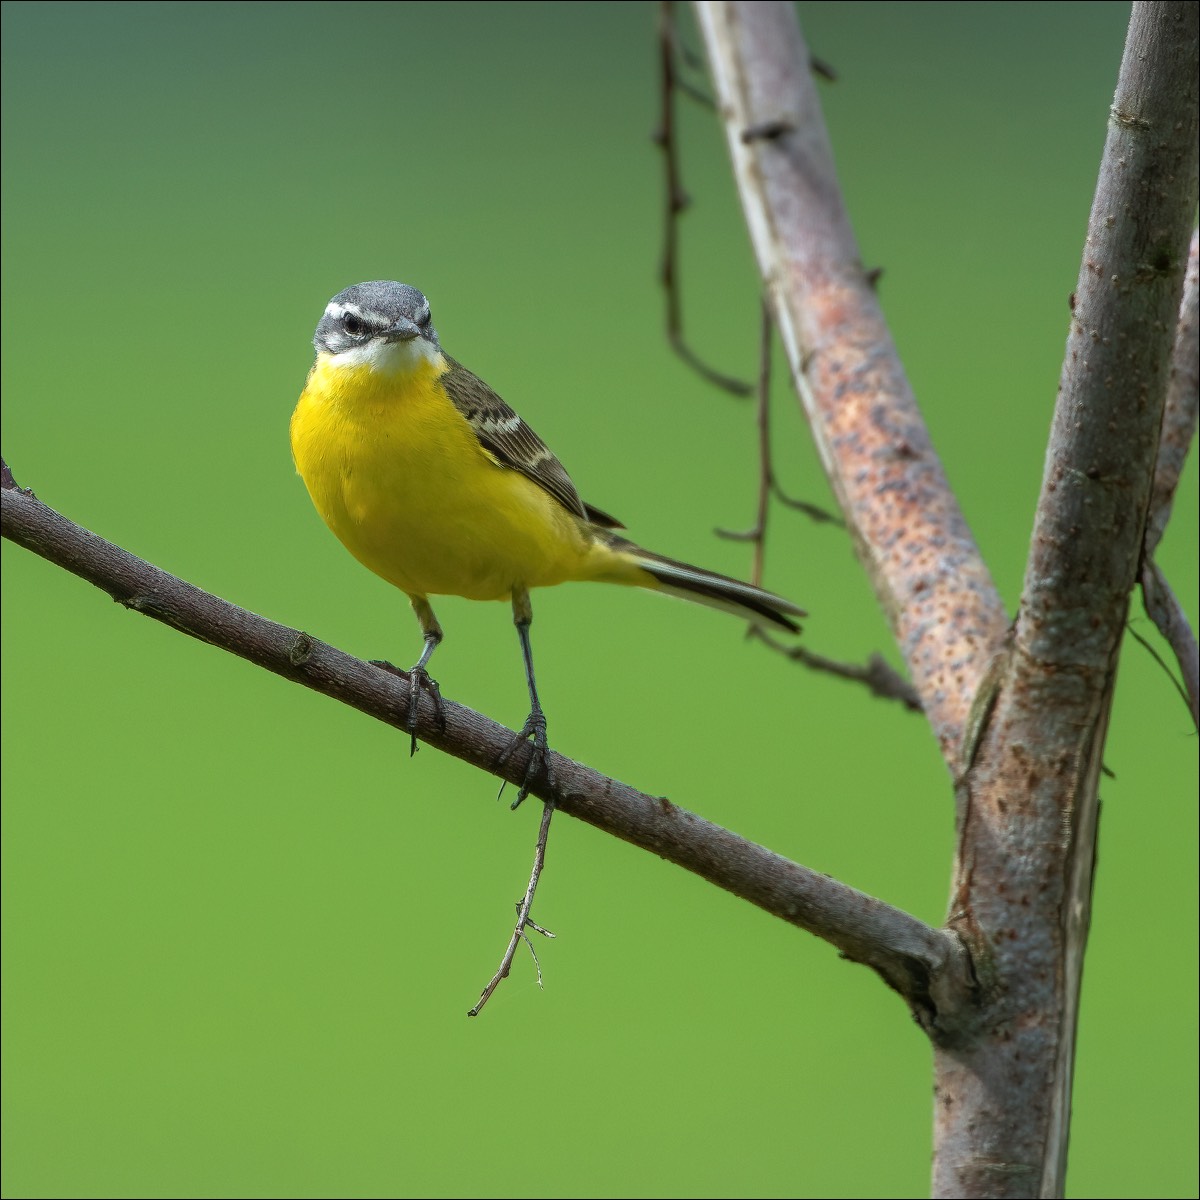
(821, 68)
(676, 200)
(768, 484)
(878, 677)
(926, 966)
(907, 528)
(814, 512)
(1178, 432)
(757, 533)
(765, 469)
(523, 922)
(672, 47)
(1163, 608)
(1162, 662)
(1183, 399)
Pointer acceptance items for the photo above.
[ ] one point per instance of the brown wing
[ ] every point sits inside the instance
(506, 437)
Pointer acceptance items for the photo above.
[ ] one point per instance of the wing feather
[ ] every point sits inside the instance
(505, 436)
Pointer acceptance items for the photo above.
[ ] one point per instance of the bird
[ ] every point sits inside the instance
(436, 485)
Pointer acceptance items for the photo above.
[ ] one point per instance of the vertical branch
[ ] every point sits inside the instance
(757, 533)
(1027, 838)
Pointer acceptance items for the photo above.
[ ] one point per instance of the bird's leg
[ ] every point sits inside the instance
(418, 677)
(535, 723)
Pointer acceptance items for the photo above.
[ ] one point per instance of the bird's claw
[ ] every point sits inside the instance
(419, 678)
(539, 757)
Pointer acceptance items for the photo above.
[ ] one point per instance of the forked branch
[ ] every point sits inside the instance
(1028, 834)
(1022, 722)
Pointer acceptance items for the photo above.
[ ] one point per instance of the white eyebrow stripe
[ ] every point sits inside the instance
(336, 310)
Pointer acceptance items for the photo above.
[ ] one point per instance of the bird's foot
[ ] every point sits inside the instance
(539, 764)
(418, 679)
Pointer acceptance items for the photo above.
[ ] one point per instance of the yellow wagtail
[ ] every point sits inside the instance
(429, 479)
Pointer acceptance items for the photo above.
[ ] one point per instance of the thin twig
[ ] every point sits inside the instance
(766, 473)
(523, 921)
(818, 66)
(768, 484)
(1178, 432)
(814, 512)
(676, 200)
(757, 533)
(1163, 608)
(1183, 400)
(878, 676)
(1162, 662)
(926, 966)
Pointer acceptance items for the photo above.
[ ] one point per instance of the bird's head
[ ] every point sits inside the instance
(383, 325)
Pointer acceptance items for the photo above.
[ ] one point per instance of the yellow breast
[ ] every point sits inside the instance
(399, 476)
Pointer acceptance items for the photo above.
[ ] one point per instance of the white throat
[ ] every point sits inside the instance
(389, 358)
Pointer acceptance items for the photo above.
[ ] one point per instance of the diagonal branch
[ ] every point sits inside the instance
(878, 677)
(925, 965)
(908, 530)
(1167, 613)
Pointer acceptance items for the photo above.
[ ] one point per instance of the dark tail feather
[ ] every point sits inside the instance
(718, 591)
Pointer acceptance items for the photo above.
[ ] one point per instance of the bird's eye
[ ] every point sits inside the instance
(354, 324)
(423, 317)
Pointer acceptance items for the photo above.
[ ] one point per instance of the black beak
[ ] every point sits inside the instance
(403, 330)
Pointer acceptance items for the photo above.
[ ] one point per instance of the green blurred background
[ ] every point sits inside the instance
(242, 927)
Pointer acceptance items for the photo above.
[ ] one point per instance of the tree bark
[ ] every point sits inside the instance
(1021, 719)
(1026, 856)
(908, 530)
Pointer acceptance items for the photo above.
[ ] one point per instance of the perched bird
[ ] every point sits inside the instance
(429, 479)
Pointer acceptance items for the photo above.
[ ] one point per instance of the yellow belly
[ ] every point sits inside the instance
(398, 475)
